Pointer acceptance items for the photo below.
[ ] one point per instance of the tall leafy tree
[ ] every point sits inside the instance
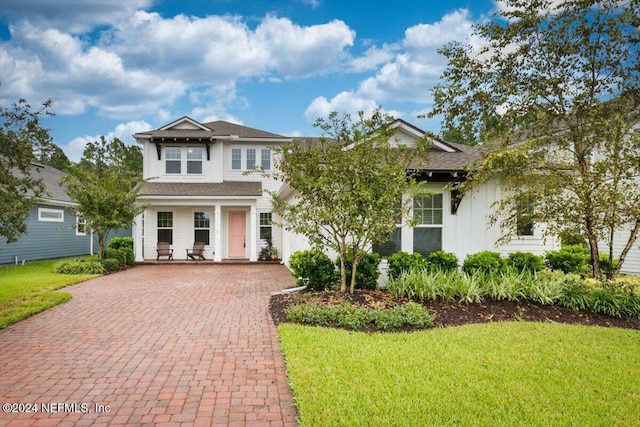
(105, 184)
(21, 133)
(348, 185)
(51, 154)
(553, 94)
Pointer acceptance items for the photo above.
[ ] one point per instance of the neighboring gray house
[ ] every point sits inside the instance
(53, 228)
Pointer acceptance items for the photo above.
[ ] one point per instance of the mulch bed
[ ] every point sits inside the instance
(455, 314)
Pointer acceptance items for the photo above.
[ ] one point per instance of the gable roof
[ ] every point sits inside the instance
(55, 191)
(187, 128)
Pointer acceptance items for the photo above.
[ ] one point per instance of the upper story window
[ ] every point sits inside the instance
(173, 156)
(266, 159)
(251, 158)
(194, 160)
(236, 158)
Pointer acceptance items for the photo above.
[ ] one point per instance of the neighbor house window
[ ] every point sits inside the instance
(173, 156)
(81, 226)
(394, 243)
(251, 158)
(194, 160)
(165, 227)
(50, 215)
(427, 235)
(266, 159)
(265, 225)
(236, 158)
(201, 227)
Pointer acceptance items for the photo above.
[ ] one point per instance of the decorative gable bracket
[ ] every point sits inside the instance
(208, 143)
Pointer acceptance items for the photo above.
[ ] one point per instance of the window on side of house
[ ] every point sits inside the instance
(427, 235)
(524, 220)
(265, 159)
(81, 226)
(173, 159)
(265, 225)
(165, 227)
(201, 227)
(251, 158)
(394, 243)
(236, 158)
(50, 215)
(194, 160)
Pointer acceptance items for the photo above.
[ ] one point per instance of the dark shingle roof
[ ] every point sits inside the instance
(51, 177)
(204, 189)
(215, 129)
(438, 160)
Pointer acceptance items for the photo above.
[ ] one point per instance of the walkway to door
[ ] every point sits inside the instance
(157, 345)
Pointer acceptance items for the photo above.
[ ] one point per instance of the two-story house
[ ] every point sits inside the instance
(198, 191)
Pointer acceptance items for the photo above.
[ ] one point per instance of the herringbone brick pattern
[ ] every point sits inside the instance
(156, 345)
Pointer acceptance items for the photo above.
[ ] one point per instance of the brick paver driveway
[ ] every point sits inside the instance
(157, 345)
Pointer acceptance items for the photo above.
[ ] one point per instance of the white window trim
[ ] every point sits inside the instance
(84, 223)
(52, 211)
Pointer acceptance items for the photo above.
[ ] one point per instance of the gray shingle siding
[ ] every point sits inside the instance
(46, 240)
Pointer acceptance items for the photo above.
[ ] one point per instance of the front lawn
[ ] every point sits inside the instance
(29, 289)
(507, 373)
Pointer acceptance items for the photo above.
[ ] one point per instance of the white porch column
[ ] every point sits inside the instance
(138, 242)
(253, 235)
(217, 233)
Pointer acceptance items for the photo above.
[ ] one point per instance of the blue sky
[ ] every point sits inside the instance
(116, 67)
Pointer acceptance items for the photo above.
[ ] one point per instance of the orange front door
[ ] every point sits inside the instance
(237, 238)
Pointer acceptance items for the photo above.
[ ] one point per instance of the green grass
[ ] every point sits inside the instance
(497, 374)
(29, 289)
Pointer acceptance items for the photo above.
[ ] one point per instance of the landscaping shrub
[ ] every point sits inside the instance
(351, 317)
(441, 260)
(315, 266)
(484, 262)
(79, 266)
(121, 243)
(367, 271)
(124, 255)
(525, 261)
(404, 261)
(111, 264)
(569, 259)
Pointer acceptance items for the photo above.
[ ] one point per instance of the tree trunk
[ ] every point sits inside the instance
(354, 266)
(100, 245)
(595, 256)
(343, 275)
(633, 236)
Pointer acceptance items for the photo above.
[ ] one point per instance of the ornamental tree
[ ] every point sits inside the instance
(347, 184)
(553, 94)
(105, 184)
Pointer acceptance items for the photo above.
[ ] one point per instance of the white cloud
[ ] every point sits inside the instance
(74, 16)
(344, 102)
(407, 77)
(123, 131)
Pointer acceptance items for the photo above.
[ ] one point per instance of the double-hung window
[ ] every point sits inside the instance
(427, 234)
(265, 225)
(265, 162)
(236, 158)
(394, 243)
(81, 226)
(201, 227)
(194, 160)
(251, 158)
(173, 159)
(165, 227)
(524, 220)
